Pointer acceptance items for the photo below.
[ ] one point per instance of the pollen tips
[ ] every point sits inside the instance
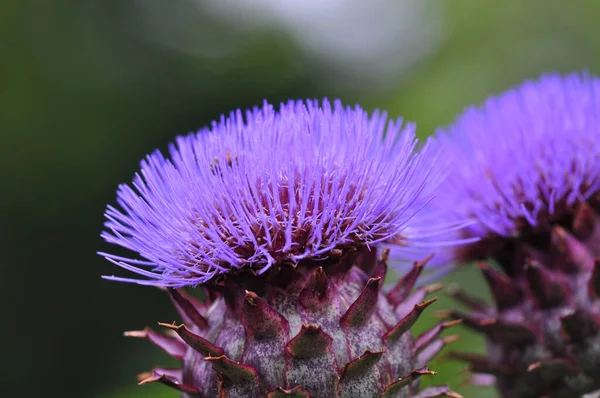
(361, 310)
(260, 320)
(198, 343)
(505, 292)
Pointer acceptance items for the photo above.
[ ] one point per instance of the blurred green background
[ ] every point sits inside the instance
(90, 86)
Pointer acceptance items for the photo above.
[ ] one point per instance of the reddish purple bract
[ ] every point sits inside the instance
(314, 330)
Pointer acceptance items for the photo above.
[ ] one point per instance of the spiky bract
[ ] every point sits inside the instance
(526, 165)
(320, 332)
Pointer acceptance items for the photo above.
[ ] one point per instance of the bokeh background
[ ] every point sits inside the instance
(88, 87)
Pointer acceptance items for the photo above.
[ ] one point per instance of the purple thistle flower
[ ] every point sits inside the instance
(281, 217)
(273, 187)
(526, 166)
(525, 157)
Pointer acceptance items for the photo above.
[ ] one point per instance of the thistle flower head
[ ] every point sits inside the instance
(523, 158)
(526, 166)
(285, 213)
(269, 187)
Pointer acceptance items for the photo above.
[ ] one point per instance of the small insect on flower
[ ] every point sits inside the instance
(527, 167)
(280, 216)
